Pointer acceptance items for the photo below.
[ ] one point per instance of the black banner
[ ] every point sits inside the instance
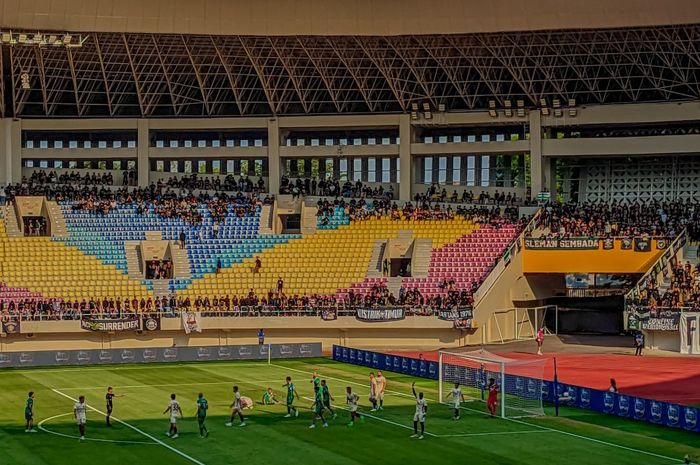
(662, 244)
(642, 244)
(11, 326)
(329, 314)
(463, 324)
(566, 244)
(151, 323)
(456, 314)
(654, 320)
(121, 324)
(380, 314)
(608, 243)
(626, 243)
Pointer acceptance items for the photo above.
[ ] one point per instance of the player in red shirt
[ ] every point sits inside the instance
(492, 402)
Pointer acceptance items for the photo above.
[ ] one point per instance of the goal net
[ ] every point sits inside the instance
(520, 381)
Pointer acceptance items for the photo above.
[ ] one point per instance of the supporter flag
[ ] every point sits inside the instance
(191, 322)
(626, 243)
(608, 243)
(642, 244)
(661, 244)
(690, 337)
(10, 326)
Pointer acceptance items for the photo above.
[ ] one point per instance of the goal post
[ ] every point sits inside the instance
(520, 381)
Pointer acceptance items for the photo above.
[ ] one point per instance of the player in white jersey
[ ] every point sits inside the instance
(419, 416)
(351, 399)
(236, 407)
(455, 397)
(80, 414)
(381, 388)
(174, 410)
(373, 391)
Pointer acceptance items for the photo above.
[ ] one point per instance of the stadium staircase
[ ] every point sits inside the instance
(266, 226)
(422, 253)
(59, 229)
(374, 268)
(10, 220)
(133, 259)
(309, 222)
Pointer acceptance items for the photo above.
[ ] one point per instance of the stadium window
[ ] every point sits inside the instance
(73, 164)
(456, 170)
(500, 137)
(58, 164)
(131, 165)
(398, 140)
(357, 169)
(244, 167)
(174, 143)
(29, 163)
(117, 144)
(515, 137)
(258, 167)
(258, 142)
(244, 142)
(72, 144)
(216, 143)
(87, 164)
(301, 142)
(386, 140)
(442, 170)
(287, 168)
(315, 168)
(160, 166)
(386, 169)
(471, 138)
(485, 138)
(371, 169)
(216, 166)
(159, 144)
(471, 170)
(131, 144)
(329, 168)
(58, 144)
(43, 164)
(343, 169)
(102, 144)
(201, 143)
(372, 141)
(230, 143)
(398, 169)
(329, 142)
(428, 170)
(457, 139)
(485, 170)
(43, 144)
(343, 141)
(29, 144)
(202, 166)
(187, 143)
(102, 165)
(301, 166)
(428, 140)
(357, 141)
(442, 139)
(117, 165)
(229, 166)
(314, 142)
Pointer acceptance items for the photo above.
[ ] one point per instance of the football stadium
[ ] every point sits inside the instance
(349, 232)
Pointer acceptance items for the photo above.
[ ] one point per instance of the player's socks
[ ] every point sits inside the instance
(296, 412)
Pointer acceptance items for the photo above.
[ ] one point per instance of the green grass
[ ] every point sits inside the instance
(576, 437)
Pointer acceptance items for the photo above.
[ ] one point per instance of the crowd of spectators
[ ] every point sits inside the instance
(215, 183)
(683, 289)
(660, 219)
(301, 187)
(159, 269)
(435, 194)
(89, 179)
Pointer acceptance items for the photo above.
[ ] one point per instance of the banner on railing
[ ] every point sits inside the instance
(622, 405)
(380, 314)
(647, 319)
(11, 326)
(456, 314)
(642, 244)
(564, 244)
(151, 323)
(689, 327)
(329, 314)
(191, 322)
(132, 323)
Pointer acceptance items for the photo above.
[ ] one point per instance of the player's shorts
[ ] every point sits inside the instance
(419, 417)
(290, 401)
(456, 405)
(109, 410)
(81, 420)
(200, 419)
(380, 396)
(327, 404)
(28, 415)
(173, 419)
(353, 408)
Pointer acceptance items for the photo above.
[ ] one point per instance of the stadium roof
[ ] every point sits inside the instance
(165, 75)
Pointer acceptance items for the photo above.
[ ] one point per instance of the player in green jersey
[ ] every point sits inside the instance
(327, 398)
(202, 407)
(29, 413)
(317, 408)
(316, 381)
(291, 393)
(269, 397)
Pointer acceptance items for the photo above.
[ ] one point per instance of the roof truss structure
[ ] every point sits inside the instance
(155, 75)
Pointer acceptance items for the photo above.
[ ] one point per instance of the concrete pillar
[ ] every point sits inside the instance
(143, 147)
(10, 151)
(273, 156)
(405, 157)
(5, 166)
(537, 172)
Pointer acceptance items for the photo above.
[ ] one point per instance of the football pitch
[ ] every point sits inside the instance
(138, 432)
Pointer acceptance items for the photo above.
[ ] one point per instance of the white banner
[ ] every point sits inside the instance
(690, 335)
(191, 321)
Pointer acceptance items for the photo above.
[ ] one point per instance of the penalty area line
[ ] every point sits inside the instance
(149, 436)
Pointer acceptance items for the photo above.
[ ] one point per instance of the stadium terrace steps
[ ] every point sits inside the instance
(161, 287)
(59, 229)
(10, 221)
(309, 222)
(422, 253)
(325, 263)
(266, 220)
(133, 259)
(374, 268)
(393, 285)
(181, 263)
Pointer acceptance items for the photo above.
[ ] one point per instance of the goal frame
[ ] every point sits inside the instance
(500, 364)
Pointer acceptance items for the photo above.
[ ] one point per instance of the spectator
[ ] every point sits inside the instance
(638, 343)
(613, 386)
(540, 340)
(280, 285)
(183, 239)
(215, 230)
(261, 336)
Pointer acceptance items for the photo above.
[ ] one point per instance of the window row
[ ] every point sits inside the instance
(238, 166)
(188, 143)
(113, 165)
(475, 170)
(363, 169)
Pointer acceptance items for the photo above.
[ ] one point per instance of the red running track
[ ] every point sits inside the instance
(670, 379)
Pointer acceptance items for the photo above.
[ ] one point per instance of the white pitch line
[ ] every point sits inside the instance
(149, 436)
(114, 441)
(374, 417)
(142, 386)
(492, 433)
(567, 433)
(119, 367)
